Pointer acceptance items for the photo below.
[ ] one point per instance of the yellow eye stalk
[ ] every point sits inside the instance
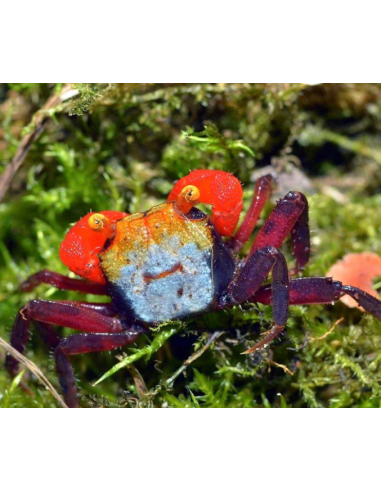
(187, 198)
(100, 223)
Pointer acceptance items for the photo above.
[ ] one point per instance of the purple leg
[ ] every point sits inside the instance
(308, 290)
(63, 283)
(317, 290)
(49, 334)
(261, 194)
(290, 215)
(81, 344)
(368, 302)
(77, 315)
(251, 277)
(95, 319)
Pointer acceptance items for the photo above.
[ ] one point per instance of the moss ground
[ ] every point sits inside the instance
(121, 147)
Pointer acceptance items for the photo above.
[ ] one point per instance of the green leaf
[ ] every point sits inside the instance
(283, 403)
(14, 385)
(194, 399)
(16, 381)
(162, 336)
(241, 146)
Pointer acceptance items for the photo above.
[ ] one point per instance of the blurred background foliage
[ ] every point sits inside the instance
(121, 147)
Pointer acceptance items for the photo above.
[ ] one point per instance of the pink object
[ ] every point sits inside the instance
(359, 270)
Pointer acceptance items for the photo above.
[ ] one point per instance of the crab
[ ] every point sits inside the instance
(172, 263)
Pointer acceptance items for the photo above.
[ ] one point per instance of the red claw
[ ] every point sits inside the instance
(219, 189)
(79, 250)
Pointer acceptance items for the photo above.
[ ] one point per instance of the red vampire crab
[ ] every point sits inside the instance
(171, 263)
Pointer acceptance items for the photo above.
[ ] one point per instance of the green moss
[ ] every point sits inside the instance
(121, 147)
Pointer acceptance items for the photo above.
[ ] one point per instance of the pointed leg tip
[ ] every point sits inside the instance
(254, 348)
(249, 351)
(271, 335)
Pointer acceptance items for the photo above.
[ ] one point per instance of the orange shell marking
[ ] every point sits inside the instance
(136, 233)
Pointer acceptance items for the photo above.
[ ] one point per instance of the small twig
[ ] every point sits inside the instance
(40, 120)
(31, 366)
(193, 357)
(328, 332)
(311, 339)
(281, 366)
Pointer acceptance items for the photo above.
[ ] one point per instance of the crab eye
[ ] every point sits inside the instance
(188, 197)
(190, 193)
(101, 223)
(97, 222)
